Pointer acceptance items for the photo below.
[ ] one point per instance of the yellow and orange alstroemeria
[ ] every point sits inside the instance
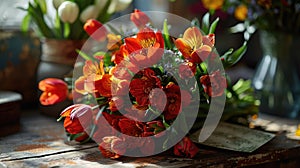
(94, 79)
(194, 46)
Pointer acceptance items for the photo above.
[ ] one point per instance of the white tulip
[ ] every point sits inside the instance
(122, 5)
(100, 4)
(68, 11)
(118, 5)
(90, 12)
(57, 3)
(112, 6)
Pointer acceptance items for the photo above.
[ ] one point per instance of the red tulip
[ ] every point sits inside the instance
(140, 19)
(95, 29)
(54, 91)
(77, 117)
(186, 148)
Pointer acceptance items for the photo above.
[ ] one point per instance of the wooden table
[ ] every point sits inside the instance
(41, 142)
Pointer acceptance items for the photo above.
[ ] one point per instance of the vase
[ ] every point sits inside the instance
(276, 79)
(57, 61)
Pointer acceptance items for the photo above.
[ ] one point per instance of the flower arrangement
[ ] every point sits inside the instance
(270, 15)
(150, 90)
(70, 15)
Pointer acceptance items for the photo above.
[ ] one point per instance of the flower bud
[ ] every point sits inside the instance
(91, 26)
(57, 3)
(100, 4)
(122, 5)
(139, 18)
(54, 91)
(68, 11)
(90, 12)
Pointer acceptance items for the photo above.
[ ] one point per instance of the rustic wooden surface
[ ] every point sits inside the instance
(41, 142)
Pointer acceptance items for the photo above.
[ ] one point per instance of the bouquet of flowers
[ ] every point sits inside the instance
(70, 15)
(149, 90)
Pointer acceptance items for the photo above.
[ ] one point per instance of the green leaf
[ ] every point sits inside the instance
(213, 26)
(107, 58)
(84, 55)
(195, 22)
(233, 58)
(66, 30)
(60, 118)
(43, 6)
(25, 23)
(37, 16)
(57, 26)
(166, 35)
(205, 23)
(227, 53)
(74, 136)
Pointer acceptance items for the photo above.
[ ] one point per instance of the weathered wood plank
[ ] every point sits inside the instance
(42, 143)
(38, 136)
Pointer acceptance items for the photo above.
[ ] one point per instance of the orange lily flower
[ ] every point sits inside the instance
(54, 91)
(194, 46)
(94, 79)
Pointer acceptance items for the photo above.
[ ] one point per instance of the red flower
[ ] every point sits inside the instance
(140, 88)
(154, 128)
(187, 70)
(136, 112)
(107, 125)
(123, 69)
(54, 91)
(112, 147)
(95, 30)
(158, 99)
(186, 148)
(83, 137)
(174, 97)
(103, 85)
(215, 84)
(77, 117)
(116, 103)
(140, 19)
(120, 55)
(131, 127)
(146, 49)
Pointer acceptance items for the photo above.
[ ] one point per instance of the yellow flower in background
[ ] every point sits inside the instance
(241, 12)
(212, 4)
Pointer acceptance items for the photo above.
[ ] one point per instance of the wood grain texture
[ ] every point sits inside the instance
(41, 142)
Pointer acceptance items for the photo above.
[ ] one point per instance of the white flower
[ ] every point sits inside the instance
(118, 5)
(57, 3)
(122, 5)
(68, 11)
(100, 4)
(90, 12)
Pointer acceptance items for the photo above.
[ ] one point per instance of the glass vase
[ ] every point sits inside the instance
(276, 79)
